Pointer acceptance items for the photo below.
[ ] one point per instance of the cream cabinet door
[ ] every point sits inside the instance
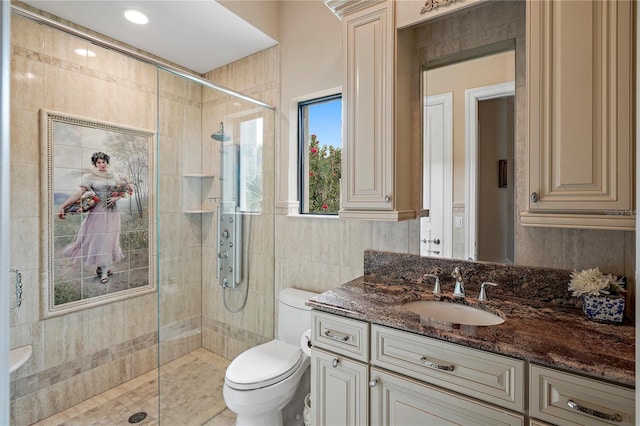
(400, 401)
(338, 389)
(581, 109)
(376, 173)
(368, 38)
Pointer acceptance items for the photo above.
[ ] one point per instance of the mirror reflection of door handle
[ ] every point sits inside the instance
(435, 241)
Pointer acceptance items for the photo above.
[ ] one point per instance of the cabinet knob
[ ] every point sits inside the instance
(387, 199)
(373, 383)
(335, 362)
(534, 197)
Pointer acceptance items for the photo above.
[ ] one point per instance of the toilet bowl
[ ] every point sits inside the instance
(262, 381)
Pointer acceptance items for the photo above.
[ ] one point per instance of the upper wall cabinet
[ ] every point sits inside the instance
(376, 159)
(581, 114)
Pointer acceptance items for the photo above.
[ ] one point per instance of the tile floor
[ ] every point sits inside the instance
(190, 395)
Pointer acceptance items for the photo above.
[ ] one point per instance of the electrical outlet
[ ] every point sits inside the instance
(458, 221)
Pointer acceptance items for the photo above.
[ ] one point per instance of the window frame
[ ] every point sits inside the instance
(302, 148)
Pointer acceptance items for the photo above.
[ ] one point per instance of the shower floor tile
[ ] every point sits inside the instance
(190, 394)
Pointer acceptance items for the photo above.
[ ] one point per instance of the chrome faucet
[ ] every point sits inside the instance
(483, 293)
(436, 285)
(458, 291)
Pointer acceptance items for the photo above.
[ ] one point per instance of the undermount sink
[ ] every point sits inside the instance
(453, 312)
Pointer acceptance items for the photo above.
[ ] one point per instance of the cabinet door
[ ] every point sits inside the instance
(400, 401)
(368, 64)
(581, 108)
(338, 389)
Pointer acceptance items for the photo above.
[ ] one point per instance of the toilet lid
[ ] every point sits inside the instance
(263, 365)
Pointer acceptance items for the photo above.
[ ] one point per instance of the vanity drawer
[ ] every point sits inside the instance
(553, 393)
(344, 336)
(489, 377)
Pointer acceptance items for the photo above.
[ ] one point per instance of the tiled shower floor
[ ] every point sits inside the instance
(190, 395)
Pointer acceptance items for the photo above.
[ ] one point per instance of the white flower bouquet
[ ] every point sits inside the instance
(603, 296)
(594, 283)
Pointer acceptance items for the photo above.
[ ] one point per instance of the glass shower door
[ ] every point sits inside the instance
(215, 242)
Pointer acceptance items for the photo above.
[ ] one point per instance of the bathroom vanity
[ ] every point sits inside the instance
(374, 362)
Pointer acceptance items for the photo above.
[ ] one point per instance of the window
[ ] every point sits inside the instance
(320, 154)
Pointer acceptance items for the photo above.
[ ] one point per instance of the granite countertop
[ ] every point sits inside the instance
(540, 332)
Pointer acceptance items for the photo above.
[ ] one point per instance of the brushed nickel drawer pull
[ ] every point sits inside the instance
(335, 362)
(435, 366)
(330, 335)
(615, 417)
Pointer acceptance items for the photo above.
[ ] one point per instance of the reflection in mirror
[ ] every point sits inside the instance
(97, 209)
(468, 153)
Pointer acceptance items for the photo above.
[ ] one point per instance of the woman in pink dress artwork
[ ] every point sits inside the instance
(97, 240)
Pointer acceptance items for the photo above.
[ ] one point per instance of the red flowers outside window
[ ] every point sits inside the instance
(324, 177)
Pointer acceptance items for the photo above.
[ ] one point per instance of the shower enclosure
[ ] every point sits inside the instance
(216, 278)
(208, 243)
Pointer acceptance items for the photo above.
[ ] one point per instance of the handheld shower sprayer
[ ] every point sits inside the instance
(220, 136)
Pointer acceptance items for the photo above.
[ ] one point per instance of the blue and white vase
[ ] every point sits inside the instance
(603, 308)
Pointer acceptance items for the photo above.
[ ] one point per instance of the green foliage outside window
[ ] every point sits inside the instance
(324, 177)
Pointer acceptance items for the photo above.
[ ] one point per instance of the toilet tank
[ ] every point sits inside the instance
(294, 317)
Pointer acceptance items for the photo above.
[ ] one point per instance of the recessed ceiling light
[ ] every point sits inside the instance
(85, 52)
(135, 16)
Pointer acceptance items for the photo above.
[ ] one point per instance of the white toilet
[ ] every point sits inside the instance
(262, 380)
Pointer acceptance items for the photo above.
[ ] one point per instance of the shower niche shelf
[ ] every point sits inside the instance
(192, 200)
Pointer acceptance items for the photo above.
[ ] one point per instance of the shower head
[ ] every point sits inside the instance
(220, 135)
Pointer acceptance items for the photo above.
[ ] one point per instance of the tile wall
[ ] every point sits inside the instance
(226, 332)
(86, 352)
(81, 354)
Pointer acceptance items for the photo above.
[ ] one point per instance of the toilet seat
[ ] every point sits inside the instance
(263, 365)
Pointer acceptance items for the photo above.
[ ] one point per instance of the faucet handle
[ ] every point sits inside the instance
(483, 293)
(456, 273)
(436, 286)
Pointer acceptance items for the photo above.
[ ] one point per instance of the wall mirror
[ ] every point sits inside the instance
(98, 242)
(469, 139)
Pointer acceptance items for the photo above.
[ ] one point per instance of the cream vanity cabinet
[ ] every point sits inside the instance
(376, 158)
(368, 374)
(339, 370)
(563, 398)
(406, 378)
(580, 64)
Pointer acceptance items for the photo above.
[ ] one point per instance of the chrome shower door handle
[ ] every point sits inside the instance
(18, 289)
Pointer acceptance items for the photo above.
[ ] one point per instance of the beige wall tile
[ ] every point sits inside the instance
(61, 48)
(25, 186)
(355, 238)
(144, 361)
(390, 236)
(27, 85)
(25, 240)
(140, 315)
(27, 34)
(308, 275)
(25, 137)
(579, 250)
(64, 338)
(141, 110)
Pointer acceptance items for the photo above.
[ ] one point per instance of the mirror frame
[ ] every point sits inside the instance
(48, 212)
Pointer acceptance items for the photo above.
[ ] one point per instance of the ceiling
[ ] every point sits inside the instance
(200, 35)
